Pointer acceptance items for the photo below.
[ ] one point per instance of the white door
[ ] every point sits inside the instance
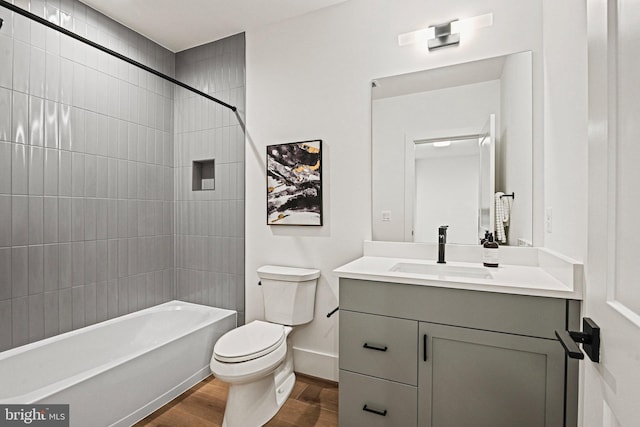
(487, 181)
(611, 393)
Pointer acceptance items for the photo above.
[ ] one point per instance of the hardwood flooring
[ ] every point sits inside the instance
(313, 403)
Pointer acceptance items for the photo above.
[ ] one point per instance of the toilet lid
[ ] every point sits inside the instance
(248, 342)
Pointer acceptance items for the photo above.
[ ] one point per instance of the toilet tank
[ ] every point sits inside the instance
(289, 293)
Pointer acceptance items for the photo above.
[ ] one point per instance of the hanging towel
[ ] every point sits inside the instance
(507, 203)
(503, 215)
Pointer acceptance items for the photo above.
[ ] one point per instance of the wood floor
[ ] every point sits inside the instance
(313, 402)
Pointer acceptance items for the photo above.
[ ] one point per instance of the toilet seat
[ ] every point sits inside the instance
(249, 342)
(252, 369)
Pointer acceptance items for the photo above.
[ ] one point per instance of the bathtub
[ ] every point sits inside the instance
(118, 371)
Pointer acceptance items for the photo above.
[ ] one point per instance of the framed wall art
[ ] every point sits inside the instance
(294, 183)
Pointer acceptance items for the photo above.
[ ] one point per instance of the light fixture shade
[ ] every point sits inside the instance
(442, 144)
(470, 24)
(416, 36)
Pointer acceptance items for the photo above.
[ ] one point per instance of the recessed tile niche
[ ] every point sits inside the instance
(204, 178)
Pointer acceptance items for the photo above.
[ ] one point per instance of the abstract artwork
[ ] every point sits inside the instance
(294, 183)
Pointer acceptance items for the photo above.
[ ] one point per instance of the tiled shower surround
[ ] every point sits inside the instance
(210, 224)
(88, 167)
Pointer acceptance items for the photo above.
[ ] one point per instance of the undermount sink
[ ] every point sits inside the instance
(442, 270)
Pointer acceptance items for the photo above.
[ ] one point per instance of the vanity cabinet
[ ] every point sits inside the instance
(435, 357)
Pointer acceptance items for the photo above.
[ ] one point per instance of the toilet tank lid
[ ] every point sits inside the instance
(291, 274)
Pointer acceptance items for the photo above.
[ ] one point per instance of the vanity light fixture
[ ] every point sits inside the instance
(446, 34)
(442, 143)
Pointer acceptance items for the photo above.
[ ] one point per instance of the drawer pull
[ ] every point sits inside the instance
(424, 347)
(374, 411)
(373, 347)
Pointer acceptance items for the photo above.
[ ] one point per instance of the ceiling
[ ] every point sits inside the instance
(180, 25)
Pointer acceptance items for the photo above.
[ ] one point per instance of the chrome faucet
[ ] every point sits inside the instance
(442, 241)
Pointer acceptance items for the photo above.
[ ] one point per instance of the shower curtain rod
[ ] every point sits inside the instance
(58, 28)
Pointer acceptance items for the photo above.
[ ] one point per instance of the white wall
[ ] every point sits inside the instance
(516, 149)
(565, 126)
(310, 77)
(456, 111)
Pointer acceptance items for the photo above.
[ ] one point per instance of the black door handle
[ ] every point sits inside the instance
(570, 346)
(589, 338)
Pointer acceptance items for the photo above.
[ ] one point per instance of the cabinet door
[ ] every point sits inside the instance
(487, 379)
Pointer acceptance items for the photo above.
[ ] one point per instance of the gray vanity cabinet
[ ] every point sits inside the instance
(439, 357)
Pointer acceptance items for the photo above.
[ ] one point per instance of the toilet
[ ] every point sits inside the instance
(256, 359)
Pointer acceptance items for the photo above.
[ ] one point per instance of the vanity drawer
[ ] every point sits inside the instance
(383, 347)
(387, 403)
(513, 314)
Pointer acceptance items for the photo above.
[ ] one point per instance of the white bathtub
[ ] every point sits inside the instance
(119, 371)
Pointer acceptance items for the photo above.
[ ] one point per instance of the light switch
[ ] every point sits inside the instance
(386, 216)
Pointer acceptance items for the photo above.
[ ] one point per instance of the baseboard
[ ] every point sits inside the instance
(316, 364)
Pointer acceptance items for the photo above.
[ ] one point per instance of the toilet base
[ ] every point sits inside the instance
(253, 404)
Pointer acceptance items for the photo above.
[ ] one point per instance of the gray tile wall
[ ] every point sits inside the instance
(86, 174)
(210, 224)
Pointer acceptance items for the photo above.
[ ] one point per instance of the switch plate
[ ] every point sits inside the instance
(548, 220)
(386, 216)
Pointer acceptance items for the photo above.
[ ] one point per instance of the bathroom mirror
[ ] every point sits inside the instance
(453, 146)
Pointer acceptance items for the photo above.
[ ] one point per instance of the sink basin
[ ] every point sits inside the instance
(442, 270)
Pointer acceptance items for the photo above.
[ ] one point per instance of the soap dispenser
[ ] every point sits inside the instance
(490, 251)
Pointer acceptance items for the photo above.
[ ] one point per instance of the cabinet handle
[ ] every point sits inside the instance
(374, 411)
(424, 347)
(372, 347)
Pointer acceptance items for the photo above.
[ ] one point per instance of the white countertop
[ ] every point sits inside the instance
(531, 280)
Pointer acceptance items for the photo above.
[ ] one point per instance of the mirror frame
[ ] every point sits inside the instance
(457, 72)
